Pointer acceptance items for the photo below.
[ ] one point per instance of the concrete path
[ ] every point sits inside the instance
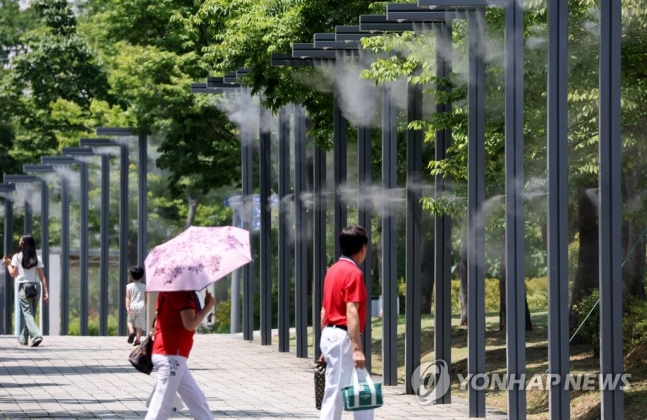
(90, 377)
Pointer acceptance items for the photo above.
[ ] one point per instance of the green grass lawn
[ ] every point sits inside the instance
(585, 405)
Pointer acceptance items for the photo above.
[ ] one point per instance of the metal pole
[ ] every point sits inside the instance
(84, 255)
(8, 280)
(265, 179)
(248, 203)
(235, 283)
(142, 202)
(44, 245)
(319, 244)
(123, 237)
(284, 256)
(301, 234)
(443, 223)
(610, 156)
(514, 231)
(389, 242)
(476, 219)
(28, 222)
(105, 243)
(340, 164)
(65, 256)
(558, 305)
(413, 251)
(365, 152)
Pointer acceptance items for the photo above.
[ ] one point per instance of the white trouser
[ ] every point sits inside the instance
(338, 352)
(173, 376)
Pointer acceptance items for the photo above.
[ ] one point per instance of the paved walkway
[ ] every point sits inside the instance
(90, 377)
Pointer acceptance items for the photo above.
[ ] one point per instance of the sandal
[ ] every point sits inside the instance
(136, 343)
(131, 337)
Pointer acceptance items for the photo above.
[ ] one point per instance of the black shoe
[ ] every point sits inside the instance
(136, 343)
(36, 341)
(131, 337)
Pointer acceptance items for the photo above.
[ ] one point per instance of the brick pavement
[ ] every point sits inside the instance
(90, 377)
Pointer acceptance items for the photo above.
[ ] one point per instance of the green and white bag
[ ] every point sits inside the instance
(362, 396)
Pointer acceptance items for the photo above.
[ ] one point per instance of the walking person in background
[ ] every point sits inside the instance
(343, 316)
(27, 268)
(178, 315)
(136, 305)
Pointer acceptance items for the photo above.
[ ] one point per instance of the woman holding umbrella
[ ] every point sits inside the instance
(178, 315)
(191, 261)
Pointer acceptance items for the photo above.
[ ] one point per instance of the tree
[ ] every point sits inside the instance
(153, 59)
(52, 69)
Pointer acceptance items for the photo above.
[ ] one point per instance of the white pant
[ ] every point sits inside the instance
(338, 352)
(173, 376)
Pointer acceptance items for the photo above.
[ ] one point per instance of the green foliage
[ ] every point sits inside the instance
(634, 324)
(93, 325)
(590, 330)
(56, 66)
(221, 319)
(248, 32)
(536, 291)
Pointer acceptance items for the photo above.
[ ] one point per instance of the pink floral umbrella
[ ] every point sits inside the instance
(196, 258)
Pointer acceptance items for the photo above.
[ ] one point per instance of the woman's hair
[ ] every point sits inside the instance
(137, 272)
(28, 249)
(352, 239)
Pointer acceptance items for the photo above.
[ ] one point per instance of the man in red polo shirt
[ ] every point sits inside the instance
(343, 316)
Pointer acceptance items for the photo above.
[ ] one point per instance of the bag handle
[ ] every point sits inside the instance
(369, 382)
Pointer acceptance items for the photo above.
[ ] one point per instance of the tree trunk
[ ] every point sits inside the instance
(502, 294)
(193, 202)
(633, 271)
(427, 276)
(587, 276)
(462, 272)
(528, 318)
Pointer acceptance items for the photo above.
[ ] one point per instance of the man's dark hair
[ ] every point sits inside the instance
(352, 239)
(137, 272)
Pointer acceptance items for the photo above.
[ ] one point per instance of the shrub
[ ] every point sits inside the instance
(536, 288)
(93, 325)
(634, 323)
(537, 293)
(221, 319)
(590, 330)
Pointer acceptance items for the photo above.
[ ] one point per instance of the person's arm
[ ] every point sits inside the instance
(9, 262)
(192, 319)
(352, 320)
(323, 317)
(43, 281)
(128, 299)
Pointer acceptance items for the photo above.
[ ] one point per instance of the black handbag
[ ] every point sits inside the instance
(320, 382)
(142, 357)
(30, 290)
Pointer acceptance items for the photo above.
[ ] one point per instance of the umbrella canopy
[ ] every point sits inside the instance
(196, 258)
